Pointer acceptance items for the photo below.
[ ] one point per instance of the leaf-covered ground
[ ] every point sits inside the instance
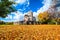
(29, 32)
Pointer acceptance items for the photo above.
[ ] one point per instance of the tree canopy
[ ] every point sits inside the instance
(6, 8)
(43, 16)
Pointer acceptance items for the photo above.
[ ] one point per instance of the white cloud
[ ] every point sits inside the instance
(20, 1)
(45, 6)
(9, 17)
(25, 4)
(18, 16)
(10, 0)
(58, 9)
(35, 14)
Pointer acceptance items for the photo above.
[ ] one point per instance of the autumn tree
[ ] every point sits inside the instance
(43, 17)
(6, 8)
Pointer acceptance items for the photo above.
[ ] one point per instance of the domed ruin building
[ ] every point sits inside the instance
(29, 18)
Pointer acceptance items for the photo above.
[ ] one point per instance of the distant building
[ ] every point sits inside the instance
(30, 14)
(26, 18)
(16, 23)
(29, 18)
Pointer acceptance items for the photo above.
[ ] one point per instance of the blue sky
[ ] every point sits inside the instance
(23, 6)
(33, 5)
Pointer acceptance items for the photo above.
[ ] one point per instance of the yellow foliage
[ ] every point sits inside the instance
(43, 16)
(30, 32)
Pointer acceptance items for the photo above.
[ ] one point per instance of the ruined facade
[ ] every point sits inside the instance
(29, 17)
